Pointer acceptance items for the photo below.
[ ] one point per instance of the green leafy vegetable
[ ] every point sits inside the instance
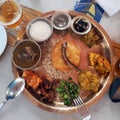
(68, 91)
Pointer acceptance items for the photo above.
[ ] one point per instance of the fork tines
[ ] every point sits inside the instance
(82, 108)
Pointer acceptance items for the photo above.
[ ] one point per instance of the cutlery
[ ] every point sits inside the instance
(83, 110)
(13, 90)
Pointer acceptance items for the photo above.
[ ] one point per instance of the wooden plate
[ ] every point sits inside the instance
(107, 51)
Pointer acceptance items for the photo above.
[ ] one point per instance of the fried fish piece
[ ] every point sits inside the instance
(100, 63)
(32, 79)
(72, 52)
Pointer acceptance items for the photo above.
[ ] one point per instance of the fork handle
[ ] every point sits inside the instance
(87, 118)
(3, 103)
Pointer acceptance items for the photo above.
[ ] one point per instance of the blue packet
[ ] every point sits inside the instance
(114, 91)
(90, 8)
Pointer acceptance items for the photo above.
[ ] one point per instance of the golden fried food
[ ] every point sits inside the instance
(100, 63)
(89, 81)
(72, 52)
(32, 79)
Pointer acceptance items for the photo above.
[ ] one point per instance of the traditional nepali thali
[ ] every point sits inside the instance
(48, 84)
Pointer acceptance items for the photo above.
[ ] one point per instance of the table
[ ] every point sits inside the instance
(21, 108)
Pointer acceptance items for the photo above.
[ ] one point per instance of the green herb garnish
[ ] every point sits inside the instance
(68, 91)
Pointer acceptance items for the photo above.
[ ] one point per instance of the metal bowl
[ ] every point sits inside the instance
(26, 54)
(81, 25)
(39, 29)
(61, 20)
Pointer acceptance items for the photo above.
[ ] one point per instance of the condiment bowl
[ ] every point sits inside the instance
(61, 20)
(80, 25)
(39, 29)
(26, 54)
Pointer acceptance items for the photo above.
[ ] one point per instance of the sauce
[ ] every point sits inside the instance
(26, 55)
(40, 31)
(80, 25)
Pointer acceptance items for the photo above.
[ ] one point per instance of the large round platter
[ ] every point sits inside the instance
(57, 36)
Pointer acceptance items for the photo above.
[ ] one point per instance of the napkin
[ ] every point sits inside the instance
(110, 6)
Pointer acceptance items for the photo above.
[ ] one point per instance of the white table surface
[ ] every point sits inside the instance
(21, 108)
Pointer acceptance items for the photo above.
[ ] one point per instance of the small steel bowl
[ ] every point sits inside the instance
(26, 54)
(39, 29)
(61, 20)
(81, 25)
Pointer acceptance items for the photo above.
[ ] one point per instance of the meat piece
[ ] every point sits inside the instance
(46, 84)
(32, 79)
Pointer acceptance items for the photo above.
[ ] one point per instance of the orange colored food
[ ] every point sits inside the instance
(89, 81)
(32, 79)
(100, 63)
(73, 54)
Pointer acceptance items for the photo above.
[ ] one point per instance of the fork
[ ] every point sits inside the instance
(83, 110)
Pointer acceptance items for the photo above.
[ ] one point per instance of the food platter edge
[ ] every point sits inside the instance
(99, 94)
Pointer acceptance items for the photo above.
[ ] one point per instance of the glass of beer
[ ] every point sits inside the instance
(10, 14)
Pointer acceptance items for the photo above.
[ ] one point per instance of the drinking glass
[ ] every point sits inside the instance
(11, 16)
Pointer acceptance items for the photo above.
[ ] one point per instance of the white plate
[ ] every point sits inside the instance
(3, 39)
